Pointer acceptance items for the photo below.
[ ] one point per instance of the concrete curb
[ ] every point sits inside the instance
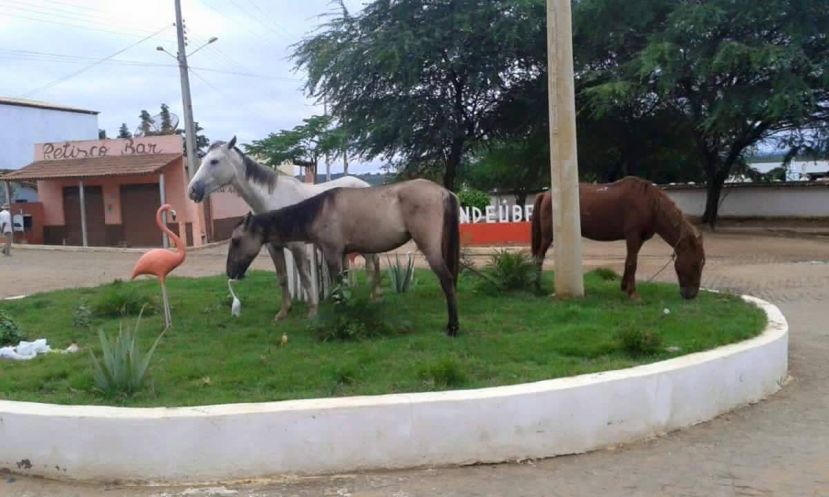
(317, 436)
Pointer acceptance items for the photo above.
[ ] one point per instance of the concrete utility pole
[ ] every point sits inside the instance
(189, 128)
(564, 170)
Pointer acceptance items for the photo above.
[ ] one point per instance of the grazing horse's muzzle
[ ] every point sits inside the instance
(688, 292)
(196, 192)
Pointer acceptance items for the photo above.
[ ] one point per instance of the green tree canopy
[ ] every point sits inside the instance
(303, 145)
(124, 131)
(732, 72)
(419, 82)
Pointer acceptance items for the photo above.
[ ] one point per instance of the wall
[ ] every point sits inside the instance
(35, 234)
(751, 201)
(23, 127)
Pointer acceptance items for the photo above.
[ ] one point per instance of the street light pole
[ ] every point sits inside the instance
(564, 171)
(189, 131)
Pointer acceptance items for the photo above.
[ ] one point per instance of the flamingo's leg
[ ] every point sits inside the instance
(168, 318)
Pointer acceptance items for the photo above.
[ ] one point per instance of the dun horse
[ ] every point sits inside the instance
(633, 210)
(370, 220)
(264, 190)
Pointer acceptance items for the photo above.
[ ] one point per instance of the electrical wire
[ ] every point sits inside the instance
(90, 66)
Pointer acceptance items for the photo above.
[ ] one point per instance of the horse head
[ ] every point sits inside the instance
(218, 168)
(690, 259)
(245, 243)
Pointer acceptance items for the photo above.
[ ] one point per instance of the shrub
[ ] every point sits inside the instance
(509, 271)
(82, 316)
(123, 300)
(637, 342)
(446, 372)
(10, 332)
(473, 198)
(402, 277)
(606, 274)
(350, 318)
(122, 367)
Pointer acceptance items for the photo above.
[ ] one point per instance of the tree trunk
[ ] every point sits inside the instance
(345, 162)
(521, 198)
(713, 191)
(452, 163)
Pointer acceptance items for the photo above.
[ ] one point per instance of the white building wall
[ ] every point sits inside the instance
(759, 201)
(21, 127)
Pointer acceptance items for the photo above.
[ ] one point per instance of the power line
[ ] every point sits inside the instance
(90, 66)
(71, 25)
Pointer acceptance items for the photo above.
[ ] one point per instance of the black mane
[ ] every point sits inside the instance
(292, 223)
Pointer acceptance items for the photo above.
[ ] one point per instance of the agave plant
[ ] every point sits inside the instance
(402, 277)
(122, 367)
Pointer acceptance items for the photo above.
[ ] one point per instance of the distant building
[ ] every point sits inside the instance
(26, 122)
(797, 170)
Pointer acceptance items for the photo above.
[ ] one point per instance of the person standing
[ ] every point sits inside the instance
(6, 229)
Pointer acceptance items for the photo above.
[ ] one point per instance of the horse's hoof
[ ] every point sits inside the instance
(312, 312)
(634, 297)
(282, 314)
(452, 331)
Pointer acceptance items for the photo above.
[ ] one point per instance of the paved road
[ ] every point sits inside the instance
(779, 447)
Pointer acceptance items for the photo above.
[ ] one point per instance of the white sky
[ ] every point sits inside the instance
(44, 41)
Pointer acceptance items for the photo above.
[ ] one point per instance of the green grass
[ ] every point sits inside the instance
(210, 357)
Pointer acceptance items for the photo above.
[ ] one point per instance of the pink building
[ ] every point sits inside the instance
(106, 193)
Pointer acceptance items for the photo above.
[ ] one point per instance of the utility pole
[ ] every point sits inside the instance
(327, 157)
(564, 170)
(189, 129)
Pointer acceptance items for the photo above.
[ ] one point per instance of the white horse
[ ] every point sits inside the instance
(265, 190)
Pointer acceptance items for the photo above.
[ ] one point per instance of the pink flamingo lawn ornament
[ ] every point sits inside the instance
(160, 262)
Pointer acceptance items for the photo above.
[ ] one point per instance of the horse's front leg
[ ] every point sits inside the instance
(629, 278)
(278, 257)
(304, 267)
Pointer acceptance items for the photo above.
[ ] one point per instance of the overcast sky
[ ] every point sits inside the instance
(242, 84)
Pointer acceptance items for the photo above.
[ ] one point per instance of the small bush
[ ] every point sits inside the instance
(606, 274)
(446, 372)
(82, 316)
(637, 342)
(123, 300)
(402, 277)
(10, 332)
(122, 367)
(509, 271)
(350, 318)
(473, 198)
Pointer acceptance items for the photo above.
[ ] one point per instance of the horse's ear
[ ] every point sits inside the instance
(247, 220)
(231, 143)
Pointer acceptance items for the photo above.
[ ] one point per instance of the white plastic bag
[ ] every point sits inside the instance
(25, 351)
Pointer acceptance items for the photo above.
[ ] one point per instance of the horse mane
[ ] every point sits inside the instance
(254, 171)
(662, 204)
(292, 222)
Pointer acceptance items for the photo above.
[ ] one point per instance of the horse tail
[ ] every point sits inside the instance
(451, 236)
(536, 224)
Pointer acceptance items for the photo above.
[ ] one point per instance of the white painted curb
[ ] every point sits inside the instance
(532, 420)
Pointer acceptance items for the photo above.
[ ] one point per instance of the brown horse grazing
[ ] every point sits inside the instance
(630, 209)
(364, 220)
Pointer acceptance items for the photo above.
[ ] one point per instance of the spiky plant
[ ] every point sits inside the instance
(402, 277)
(122, 367)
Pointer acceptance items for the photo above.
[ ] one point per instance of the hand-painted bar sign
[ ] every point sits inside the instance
(68, 150)
(497, 214)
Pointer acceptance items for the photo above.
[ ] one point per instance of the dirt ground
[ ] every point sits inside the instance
(779, 447)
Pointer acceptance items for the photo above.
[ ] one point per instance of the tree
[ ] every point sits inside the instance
(147, 123)
(735, 72)
(124, 131)
(516, 166)
(166, 121)
(102, 134)
(202, 142)
(418, 82)
(303, 145)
